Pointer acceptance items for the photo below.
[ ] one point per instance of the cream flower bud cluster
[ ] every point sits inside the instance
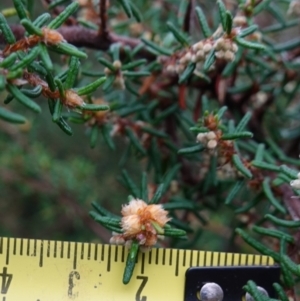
(225, 49)
(196, 54)
(209, 139)
(296, 183)
(201, 52)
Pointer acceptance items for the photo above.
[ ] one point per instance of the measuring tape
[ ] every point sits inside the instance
(43, 270)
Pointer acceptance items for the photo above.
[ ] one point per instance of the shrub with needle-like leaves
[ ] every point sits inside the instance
(203, 94)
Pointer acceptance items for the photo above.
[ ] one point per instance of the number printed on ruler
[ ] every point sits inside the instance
(42, 270)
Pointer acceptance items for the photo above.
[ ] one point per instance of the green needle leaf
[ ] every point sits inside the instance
(180, 37)
(23, 99)
(222, 13)
(11, 117)
(91, 87)
(126, 6)
(247, 44)
(203, 22)
(130, 263)
(64, 15)
(237, 162)
(6, 31)
(269, 194)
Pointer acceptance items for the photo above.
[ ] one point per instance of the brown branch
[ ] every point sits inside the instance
(84, 37)
(103, 18)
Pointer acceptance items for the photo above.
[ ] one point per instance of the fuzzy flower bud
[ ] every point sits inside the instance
(141, 222)
(73, 100)
(51, 36)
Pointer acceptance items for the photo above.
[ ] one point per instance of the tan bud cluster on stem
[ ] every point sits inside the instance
(225, 49)
(51, 36)
(72, 99)
(209, 139)
(141, 222)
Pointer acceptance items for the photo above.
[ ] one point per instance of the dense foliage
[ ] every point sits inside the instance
(196, 101)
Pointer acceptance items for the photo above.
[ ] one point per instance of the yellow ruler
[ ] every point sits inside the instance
(43, 270)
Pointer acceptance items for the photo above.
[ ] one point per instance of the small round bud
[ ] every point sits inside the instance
(211, 135)
(107, 71)
(220, 54)
(201, 137)
(207, 47)
(197, 46)
(229, 56)
(212, 144)
(295, 184)
(186, 58)
(227, 45)
(200, 55)
(261, 98)
(219, 44)
(117, 64)
(234, 47)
